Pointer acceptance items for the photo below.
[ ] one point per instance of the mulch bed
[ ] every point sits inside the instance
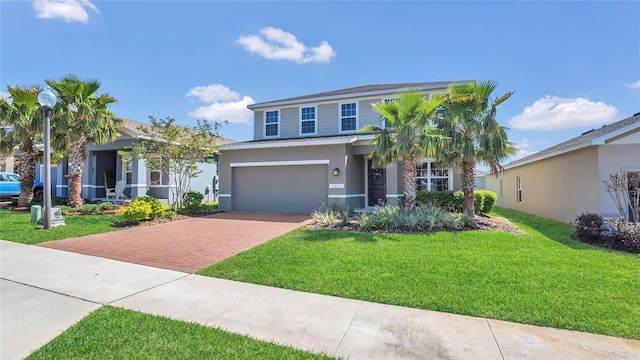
(485, 222)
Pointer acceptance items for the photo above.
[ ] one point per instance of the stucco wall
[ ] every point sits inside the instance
(558, 188)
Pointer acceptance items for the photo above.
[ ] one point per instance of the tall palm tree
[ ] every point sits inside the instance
(21, 122)
(475, 137)
(82, 115)
(405, 134)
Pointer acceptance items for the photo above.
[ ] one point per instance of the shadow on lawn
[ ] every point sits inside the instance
(553, 230)
(334, 234)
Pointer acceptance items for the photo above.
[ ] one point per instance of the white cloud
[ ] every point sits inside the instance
(276, 44)
(523, 145)
(553, 112)
(224, 104)
(635, 85)
(69, 10)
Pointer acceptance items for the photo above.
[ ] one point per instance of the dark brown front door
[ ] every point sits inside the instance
(377, 185)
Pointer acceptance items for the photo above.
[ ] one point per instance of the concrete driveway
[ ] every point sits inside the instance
(186, 245)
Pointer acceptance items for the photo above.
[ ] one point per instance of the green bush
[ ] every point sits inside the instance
(490, 199)
(192, 202)
(107, 206)
(138, 210)
(158, 208)
(453, 201)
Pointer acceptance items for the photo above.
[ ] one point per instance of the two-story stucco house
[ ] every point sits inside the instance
(307, 151)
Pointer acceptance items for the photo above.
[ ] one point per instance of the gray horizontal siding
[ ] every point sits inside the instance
(289, 122)
(328, 119)
(258, 123)
(366, 115)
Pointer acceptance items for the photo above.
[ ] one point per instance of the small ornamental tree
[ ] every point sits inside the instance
(624, 189)
(176, 150)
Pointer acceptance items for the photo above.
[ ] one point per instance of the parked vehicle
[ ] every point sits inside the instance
(10, 186)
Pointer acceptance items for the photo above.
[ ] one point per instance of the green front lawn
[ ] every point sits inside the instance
(16, 226)
(543, 278)
(114, 333)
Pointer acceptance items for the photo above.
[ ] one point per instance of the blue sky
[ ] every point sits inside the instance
(573, 65)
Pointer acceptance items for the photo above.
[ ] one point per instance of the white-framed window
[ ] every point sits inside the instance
(272, 123)
(127, 170)
(308, 120)
(348, 117)
(519, 189)
(154, 171)
(438, 115)
(431, 177)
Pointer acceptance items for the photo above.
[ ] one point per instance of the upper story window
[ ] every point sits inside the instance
(438, 115)
(308, 123)
(430, 177)
(272, 123)
(348, 117)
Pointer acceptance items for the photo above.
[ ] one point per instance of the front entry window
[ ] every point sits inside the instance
(430, 177)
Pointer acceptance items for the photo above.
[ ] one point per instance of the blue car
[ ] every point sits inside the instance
(10, 186)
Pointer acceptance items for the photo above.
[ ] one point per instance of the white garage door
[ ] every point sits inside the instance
(284, 189)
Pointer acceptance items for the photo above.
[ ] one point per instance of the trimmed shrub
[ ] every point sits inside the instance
(453, 201)
(589, 226)
(158, 208)
(490, 199)
(138, 210)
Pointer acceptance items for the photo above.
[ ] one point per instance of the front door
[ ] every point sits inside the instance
(377, 185)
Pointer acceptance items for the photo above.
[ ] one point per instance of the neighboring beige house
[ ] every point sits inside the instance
(566, 180)
(307, 151)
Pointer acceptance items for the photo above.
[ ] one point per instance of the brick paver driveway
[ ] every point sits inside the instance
(186, 245)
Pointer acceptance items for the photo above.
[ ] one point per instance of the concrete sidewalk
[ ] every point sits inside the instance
(44, 291)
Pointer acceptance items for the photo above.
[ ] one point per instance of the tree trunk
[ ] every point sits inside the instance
(27, 165)
(468, 169)
(409, 183)
(77, 157)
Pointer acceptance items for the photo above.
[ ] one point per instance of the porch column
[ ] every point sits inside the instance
(139, 179)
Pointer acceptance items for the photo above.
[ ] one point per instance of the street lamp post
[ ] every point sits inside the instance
(47, 100)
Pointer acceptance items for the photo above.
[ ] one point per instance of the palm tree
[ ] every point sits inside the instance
(405, 134)
(475, 137)
(21, 122)
(83, 116)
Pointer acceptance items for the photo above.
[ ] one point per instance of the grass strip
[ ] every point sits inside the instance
(115, 333)
(16, 226)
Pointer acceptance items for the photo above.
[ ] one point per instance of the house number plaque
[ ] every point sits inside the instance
(336, 186)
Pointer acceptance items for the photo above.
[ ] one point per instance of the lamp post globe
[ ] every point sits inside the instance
(47, 100)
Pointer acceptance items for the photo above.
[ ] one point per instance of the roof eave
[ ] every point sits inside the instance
(339, 96)
(603, 139)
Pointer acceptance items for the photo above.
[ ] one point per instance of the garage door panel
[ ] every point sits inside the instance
(286, 189)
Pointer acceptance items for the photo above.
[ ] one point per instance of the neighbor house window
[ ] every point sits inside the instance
(271, 123)
(127, 170)
(348, 117)
(431, 177)
(155, 171)
(519, 187)
(308, 120)
(438, 115)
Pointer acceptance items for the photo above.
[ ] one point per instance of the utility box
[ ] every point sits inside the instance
(36, 213)
(56, 219)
